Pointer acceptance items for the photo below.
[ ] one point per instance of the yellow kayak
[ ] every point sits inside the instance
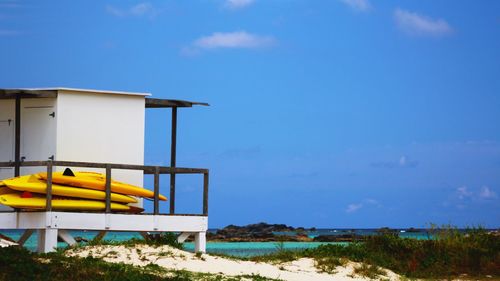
(33, 183)
(98, 181)
(15, 200)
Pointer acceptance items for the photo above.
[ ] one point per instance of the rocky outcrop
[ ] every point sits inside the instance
(260, 232)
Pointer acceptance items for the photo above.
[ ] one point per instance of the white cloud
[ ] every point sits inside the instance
(228, 40)
(238, 4)
(351, 208)
(463, 192)
(238, 39)
(487, 193)
(358, 5)
(139, 10)
(415, 24)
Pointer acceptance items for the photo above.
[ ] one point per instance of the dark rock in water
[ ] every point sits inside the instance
(387, 230)
(338, 238)
(259, 232)
(414, 230)
(81, 239)
(312, 229)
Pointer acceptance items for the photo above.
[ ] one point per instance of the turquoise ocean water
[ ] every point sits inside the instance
(242, 249)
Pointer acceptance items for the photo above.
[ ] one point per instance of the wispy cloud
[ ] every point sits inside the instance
(462, 196)
(238, 39)
(463, 193)
(144, 9)
(415, 24)
(351, 208)
(354, 207)
(238, 4)
(358, 5)
(487, 193)
(229, 40)
(403, 162)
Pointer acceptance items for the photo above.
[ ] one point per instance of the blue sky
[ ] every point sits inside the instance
(334, 113)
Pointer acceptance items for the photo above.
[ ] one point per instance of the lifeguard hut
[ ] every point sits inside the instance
(53, 128)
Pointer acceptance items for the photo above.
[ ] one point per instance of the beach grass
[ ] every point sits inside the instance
(166, 238)
(451, 253)
(17, 263)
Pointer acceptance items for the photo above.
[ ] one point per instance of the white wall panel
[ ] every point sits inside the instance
(103, 128)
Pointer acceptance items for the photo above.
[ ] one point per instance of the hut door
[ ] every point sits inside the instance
(38, 134)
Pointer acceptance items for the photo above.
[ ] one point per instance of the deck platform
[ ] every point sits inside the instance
(51, 225)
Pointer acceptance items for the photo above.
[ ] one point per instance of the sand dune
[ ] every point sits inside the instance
(171, 258)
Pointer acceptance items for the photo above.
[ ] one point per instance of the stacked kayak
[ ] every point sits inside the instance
(83, 191)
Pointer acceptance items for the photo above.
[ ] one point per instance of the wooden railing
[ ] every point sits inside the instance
(151, 170)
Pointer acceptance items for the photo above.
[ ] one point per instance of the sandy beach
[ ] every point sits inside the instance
(174, 259)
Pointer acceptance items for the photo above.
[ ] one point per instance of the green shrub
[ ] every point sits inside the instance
(166, 238)
(450, 253)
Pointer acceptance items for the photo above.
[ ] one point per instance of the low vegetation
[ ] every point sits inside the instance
(449, 254)
(166, 238)
(17, 263)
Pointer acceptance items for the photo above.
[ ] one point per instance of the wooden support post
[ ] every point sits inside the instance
(145, 235)
(200, 242)
(100, 235)
(205, 194)
(108, 189)
(156, 209)
(173, 151)
(48, 204)
(47, 240)
(17, 153)
(183, 236)
(26, 235)
(67, 237)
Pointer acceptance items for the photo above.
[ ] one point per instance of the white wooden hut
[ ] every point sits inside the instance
(61, 127)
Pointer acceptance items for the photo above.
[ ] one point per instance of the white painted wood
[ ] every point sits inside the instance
(200, 242)
(183, 236)
(47, 240)
(33, 220)
(48, 224)
(96, 221)
(66, 237)
(106, 128)
(128, 222)
(38, 131)
(26, 235)
(8, 220)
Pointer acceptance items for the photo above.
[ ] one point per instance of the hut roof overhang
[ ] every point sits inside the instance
(52, 93)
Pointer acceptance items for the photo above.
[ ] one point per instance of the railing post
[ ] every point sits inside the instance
(157, 191)
(17, 141)
(173, 156)
(48, 202)
(205, 194)
(108, 188)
